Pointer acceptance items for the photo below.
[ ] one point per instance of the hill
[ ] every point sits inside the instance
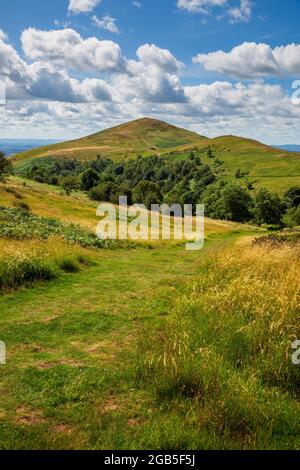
(143, 136)
(262, 165)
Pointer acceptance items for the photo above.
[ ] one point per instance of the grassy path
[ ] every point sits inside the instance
(70, 379)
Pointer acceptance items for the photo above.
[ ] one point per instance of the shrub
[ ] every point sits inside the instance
(20, 224)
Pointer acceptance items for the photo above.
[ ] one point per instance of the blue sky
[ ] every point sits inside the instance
(72, 67)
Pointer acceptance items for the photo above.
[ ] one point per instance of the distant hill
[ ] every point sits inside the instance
(143, 136)
(260, 164)
(289, 148)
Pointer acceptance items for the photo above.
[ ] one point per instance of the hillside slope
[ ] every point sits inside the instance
(263, 166)
(143, 136)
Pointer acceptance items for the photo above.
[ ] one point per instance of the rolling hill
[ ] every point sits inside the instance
(143, 136)
(264, 166)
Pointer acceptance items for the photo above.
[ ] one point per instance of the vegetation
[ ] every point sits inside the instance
(250, 162)
(175, 178)
(19, 224)
(219, 368)
(5, 167)
(150, 348)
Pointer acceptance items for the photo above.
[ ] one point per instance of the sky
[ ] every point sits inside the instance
(73, 67)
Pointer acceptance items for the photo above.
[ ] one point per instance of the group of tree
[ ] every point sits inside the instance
(177, 178)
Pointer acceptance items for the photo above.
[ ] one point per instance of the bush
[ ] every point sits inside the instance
(20, 224)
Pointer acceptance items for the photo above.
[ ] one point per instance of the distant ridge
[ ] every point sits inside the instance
(289, 148)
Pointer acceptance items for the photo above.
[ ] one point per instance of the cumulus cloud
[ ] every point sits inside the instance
(162, 58)
(43, 92)
(67, 48)
(107, 22)
(82, 6)
(252, 60)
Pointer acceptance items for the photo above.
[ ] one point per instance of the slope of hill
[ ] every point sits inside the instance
(263, 166)
(143, 136)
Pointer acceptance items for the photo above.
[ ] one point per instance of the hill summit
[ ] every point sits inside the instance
(142, 136)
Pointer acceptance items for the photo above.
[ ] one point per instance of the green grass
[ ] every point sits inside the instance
(148, 348)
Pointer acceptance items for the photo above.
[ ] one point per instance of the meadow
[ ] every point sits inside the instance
(147, 345)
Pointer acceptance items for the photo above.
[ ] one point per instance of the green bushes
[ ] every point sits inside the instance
(20, 224)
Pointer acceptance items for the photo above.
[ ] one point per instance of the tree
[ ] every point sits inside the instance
(236, 203)
(69, 184)
(268, 208)
(147, 192)
(104, 191)
(227, 201)
(5, 167)
(292, 197)
(89, 179)
(292, 217)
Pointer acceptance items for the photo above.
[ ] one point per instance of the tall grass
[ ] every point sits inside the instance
(25, 262)
(221, 364)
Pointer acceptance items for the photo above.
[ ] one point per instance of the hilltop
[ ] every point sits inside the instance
(142, 136)
(264, 166)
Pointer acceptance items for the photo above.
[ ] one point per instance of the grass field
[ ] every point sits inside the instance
(148, 346)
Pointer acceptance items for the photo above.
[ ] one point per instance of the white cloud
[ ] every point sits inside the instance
(199, 6)
(43, 95)
(82, 6)
(162, 58)
(242, 13)
(251, 60)
(3, 35)
(107, 22)
(137, 4)
(67, 48)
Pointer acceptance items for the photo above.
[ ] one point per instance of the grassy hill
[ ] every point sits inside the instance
(143, 136)
(275, 169)
(264, 166)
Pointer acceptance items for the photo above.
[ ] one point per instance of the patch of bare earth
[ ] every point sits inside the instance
(29, 416)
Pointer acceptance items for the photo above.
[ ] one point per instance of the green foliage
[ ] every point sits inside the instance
(292, 217)
(227, 201)
(89, 179)
(147, 193)
(5, 167)
(69, 183)
(268, 208)
(292, 197)
(19, 224)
